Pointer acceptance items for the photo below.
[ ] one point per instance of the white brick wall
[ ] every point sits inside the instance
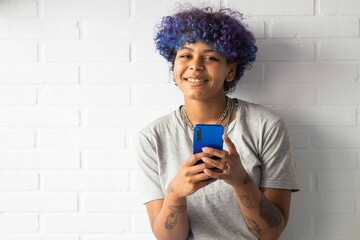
(78, 78)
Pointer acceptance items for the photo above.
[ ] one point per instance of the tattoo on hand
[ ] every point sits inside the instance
(246, 200)
(253, 227)
(172, 219)
(270, 213)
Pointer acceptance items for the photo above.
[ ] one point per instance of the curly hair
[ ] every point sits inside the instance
(220, 29)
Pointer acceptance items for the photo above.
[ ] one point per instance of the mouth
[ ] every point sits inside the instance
(195, 80)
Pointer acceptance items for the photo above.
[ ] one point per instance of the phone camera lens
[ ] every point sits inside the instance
(198, 135)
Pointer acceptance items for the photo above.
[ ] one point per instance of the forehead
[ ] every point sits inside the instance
(197, 46)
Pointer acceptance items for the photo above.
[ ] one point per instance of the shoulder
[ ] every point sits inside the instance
(257, 114)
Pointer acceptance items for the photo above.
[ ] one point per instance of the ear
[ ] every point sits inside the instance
(231, 71)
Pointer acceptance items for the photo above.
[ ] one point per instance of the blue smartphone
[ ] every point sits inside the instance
(207, 135)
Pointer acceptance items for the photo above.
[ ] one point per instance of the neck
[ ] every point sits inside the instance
(205, 111)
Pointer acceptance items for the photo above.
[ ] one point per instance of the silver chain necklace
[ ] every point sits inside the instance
(226, 114)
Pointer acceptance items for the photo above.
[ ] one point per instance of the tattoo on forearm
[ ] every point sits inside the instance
(246, 200)
(247, 179)
(270, 213)
(172, 219)
(253, 227)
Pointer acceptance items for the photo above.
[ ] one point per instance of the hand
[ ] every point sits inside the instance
(229, 166)
(190, 177)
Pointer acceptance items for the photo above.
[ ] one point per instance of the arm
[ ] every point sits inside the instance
(168, 216)
(265, 211)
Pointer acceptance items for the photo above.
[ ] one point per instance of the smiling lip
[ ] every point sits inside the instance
(195, 82)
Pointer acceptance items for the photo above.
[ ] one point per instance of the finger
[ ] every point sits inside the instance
(215, 163)
(206, 182)
(229, 144)
(214, 152)
(214, 174)
(200, 177)
(194, 158)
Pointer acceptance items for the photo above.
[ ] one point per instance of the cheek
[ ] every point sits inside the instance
(178, 69)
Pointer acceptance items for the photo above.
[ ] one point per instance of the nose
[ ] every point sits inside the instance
(196, 65)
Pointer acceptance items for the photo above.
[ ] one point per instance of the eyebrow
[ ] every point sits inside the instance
(191, 49)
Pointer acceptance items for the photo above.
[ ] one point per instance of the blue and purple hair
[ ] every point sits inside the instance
(220, 29)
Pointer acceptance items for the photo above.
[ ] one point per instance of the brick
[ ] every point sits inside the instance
(305, 181)
(141, 223)
(338, 182)
(82, 95)
(19, 181)
(349, 50)
(337, 203)
(340, 95)
(16, 139)
(38, 202)
(18, 8)
(255, 74)
(338, 226)
(38, 117)
(126, 73)
(39, 159)
(17, 95)
(18, 53)
(89, 223)
(325, 160)
(257, 29)
(319, 117)
(273, 8)
(335, 138)
(39, 74)
(277, 95)
(18, 223)
(126, 202)
(81, 139)
(168, 94)
(86, 8)
(37, 237)
(311, 204)
(316, 28)
(114, 116)
(85, 181)
(312, 73)
(293, 231)
(299, 139)
(121, 28)
(358, 203)
(134, 236)
(285, 51)
(340, 7)
(38, 29)
(146, 52)
(108, 51)
(166, 7)
(110, 159)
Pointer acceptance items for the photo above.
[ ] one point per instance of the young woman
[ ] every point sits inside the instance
(247, 195)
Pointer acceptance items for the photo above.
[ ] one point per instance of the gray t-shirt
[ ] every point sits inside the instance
(263, 143)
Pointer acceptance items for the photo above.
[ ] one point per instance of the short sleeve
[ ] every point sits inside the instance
(278, 168)
(148, 181)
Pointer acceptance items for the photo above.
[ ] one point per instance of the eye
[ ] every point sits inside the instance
(185, 55)
(211, 58)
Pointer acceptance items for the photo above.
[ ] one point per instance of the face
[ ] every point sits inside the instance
(200, 72)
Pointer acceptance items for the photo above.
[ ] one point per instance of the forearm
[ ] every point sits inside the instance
(263, 218)
(172, 220)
